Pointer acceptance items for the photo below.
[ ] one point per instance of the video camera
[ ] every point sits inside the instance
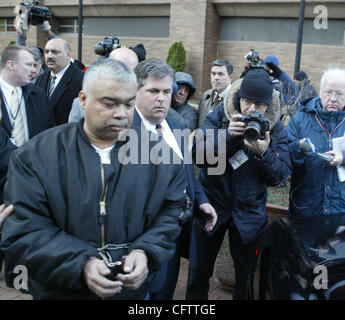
(254, 60)
(30, 13)
(36, 14)
(256, 126)
(106, 46)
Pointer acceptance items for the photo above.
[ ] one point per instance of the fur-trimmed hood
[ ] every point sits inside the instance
(273, 112)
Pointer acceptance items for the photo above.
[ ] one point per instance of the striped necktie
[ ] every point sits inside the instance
(18, 132)
(159, 129)
(216, 97)
(51, 85)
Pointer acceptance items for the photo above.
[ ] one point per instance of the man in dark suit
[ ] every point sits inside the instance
(29, 101)
(63, 81)
(155, 81)
(24, 108)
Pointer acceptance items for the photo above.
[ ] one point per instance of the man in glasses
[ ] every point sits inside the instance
(316, 187)
(239, 193)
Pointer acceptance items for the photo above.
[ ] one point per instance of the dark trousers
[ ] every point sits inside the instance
(165, 280)
(202, 260)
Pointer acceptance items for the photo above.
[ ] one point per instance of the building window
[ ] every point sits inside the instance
(153, 27)
(68, 25)
(7, 25)
(280, 30)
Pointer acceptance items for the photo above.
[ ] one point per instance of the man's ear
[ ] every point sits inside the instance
(82, 99)
(10, 65)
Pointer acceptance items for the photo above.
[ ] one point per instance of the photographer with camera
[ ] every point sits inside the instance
(238, 195)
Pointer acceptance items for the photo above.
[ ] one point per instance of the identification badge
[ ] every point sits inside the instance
(238, 159)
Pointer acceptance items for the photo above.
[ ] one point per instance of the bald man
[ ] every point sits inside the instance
(127, 56)
(62, 81)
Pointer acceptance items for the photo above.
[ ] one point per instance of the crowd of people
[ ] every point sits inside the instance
(76, 204)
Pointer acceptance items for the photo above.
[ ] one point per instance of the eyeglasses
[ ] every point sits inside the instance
(338, 95)
(249, 102)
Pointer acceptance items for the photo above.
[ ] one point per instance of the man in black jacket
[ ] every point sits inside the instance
(79, 204)
(63, 81)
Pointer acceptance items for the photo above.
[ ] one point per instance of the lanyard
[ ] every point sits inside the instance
(324, 129)
(12, 117)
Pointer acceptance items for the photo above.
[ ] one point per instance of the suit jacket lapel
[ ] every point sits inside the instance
(28, 108)
(5, 118)
(61, 87)
(178, 137)
(45, 81)
(136, 119)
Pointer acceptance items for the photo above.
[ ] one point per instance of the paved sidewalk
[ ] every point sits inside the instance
(218, 291)
(11, 294)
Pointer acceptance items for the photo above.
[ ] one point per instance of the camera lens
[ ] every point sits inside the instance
(252, 131)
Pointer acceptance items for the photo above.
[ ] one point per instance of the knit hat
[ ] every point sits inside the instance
(272, 59)
(300, 75)
(139, 49)
(257, 86)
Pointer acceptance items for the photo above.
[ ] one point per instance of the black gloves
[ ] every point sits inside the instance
(275, 72)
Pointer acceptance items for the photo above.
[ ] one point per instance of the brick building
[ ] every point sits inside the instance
(208, 29)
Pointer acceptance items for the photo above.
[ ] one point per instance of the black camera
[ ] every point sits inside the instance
(256, 126)
(36, 14)
(254, 60)
(106, 46)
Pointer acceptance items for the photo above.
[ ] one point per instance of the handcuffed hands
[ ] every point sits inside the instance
(135, 270)
(95, 272)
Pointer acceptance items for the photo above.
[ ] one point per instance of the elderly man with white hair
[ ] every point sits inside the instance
(315, 186)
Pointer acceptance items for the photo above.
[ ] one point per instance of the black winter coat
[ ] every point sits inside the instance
(240, 193)
(54, 182)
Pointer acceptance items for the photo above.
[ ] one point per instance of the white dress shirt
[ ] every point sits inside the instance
(7, 92)
(59, 75)
(168, 136)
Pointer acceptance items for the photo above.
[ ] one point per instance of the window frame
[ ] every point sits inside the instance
(6, 25)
